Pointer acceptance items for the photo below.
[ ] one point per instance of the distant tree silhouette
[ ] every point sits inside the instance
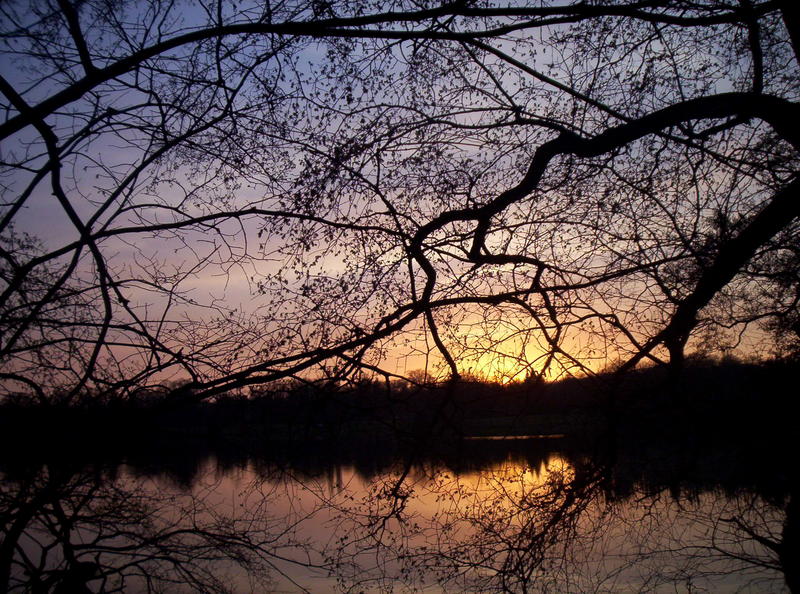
(238, 194)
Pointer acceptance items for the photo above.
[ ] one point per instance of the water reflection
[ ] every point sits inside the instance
(541, 516)
(105, 530)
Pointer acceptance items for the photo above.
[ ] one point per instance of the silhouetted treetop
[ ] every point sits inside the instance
(234, 194)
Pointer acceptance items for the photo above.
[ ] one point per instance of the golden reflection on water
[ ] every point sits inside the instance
(511, 477)
(502, 526)
(428, 527)
(348, 518)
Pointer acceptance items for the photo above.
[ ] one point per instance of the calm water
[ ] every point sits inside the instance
(522, 516)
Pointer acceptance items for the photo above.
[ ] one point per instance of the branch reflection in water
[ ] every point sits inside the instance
(94, 530)
(519, 517)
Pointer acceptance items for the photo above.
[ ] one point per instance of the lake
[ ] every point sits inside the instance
(484, 515)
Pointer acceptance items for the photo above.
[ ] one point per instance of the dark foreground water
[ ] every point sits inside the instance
(539, 515)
